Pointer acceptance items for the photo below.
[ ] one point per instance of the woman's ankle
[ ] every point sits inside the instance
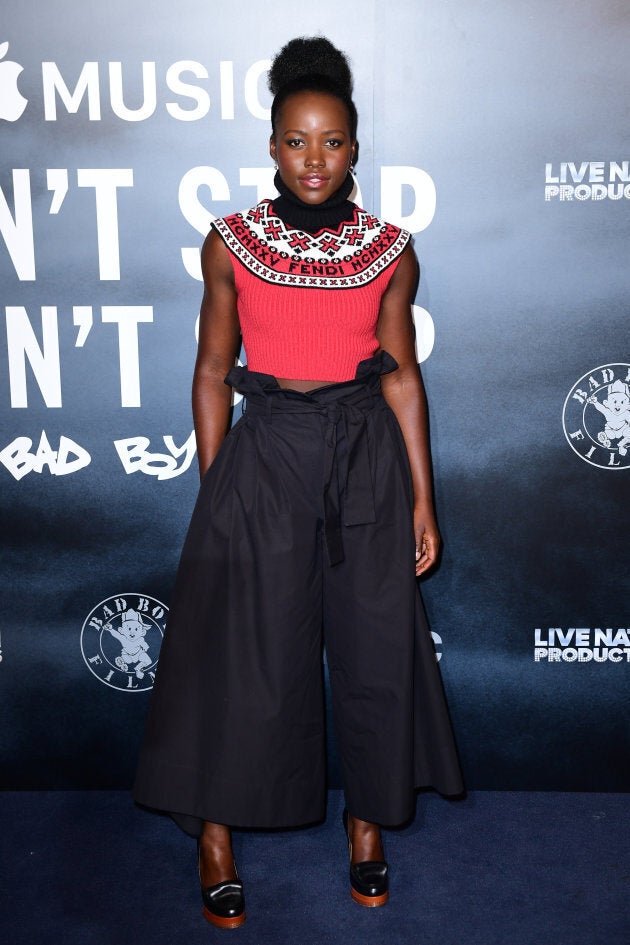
(216, 860)
(366, 840)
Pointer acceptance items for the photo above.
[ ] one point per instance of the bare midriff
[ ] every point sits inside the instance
(303, 386)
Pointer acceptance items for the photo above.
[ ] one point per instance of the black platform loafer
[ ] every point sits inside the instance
(369, 883)
(223, 903)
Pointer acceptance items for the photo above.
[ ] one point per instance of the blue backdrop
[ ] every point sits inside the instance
(499, 136)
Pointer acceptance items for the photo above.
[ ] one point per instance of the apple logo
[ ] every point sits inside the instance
(12, 103)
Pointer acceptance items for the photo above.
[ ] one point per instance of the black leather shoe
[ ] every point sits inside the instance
(369, 885)
(224, 903)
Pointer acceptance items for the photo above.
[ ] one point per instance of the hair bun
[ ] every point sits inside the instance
(307, 56)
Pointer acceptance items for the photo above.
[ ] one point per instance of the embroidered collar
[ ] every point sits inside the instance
(278, 253)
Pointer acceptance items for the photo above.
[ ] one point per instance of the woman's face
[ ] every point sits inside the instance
(312, 145)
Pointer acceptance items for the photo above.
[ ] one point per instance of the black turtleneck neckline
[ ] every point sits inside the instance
(312, 218)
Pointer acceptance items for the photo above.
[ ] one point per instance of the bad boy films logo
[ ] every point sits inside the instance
(121, 639)
(596, 417)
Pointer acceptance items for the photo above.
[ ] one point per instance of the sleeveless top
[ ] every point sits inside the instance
(308, 303)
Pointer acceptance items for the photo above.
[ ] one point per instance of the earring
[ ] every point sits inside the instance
(275, 167)
(351, 167)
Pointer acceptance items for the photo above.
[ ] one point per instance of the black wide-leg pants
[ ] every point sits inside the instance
(302, 536)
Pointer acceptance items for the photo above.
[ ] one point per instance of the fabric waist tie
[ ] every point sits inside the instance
(348, 404)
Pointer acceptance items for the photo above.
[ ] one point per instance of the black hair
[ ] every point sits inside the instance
(311, 64)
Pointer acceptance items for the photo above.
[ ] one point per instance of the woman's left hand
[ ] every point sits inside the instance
(427, 539)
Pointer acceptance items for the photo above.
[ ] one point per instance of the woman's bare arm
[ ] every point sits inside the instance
(219, 342)
(404, 392)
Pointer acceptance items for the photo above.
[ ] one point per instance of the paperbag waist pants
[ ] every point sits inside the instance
(302, 535)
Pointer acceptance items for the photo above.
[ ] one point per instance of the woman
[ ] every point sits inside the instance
(314, 518)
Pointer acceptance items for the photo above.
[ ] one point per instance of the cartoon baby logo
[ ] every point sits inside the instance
(134, 646)
(616, 409)
(12, 102)
(121, 639)
(596, 417)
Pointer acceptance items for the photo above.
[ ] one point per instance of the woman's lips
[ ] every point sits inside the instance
(314, 180)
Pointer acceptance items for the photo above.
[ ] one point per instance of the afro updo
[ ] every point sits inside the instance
(307, 56)
(311, 64)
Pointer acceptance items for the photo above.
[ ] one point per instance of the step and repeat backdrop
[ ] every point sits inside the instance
(498, 134)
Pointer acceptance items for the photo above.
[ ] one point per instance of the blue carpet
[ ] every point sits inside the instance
(498, 868)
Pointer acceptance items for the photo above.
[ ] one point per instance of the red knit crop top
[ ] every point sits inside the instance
(308, 304)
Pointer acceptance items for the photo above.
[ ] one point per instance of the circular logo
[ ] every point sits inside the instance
(121, 639)
(596, 417)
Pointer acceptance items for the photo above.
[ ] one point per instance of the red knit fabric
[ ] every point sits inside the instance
(307, 333)
(308, 304)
